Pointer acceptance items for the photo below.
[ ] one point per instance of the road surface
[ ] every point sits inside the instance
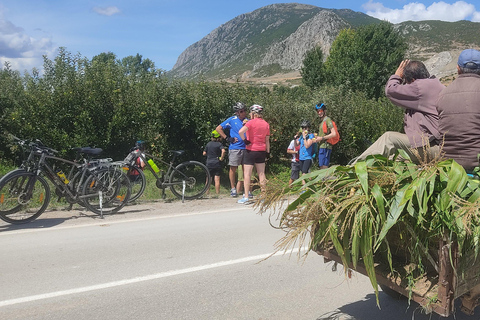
(204, 259)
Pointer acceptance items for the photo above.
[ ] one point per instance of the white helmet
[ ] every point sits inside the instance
(238, 106)
(256, 108)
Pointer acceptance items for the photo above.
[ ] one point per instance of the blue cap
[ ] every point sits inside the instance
(470, 59)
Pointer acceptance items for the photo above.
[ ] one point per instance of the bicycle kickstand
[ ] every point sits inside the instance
(100, 198)
(183, 191)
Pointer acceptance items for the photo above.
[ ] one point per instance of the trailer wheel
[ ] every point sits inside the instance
(392, 293)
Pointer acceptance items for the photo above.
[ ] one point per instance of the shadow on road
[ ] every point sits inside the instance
(54, 218)
(391, 309)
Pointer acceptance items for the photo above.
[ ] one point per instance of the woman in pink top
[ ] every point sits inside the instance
(257, 146)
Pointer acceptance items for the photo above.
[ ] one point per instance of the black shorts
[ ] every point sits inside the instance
(252, 157)
(214, 171)
(305, 165)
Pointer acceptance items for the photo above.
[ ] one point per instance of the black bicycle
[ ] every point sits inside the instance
(25, 192)
(188, 180)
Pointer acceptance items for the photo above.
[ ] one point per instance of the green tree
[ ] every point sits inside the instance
(312, 71)
(363, 59)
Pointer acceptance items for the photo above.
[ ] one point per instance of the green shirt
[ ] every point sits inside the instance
(325, 144)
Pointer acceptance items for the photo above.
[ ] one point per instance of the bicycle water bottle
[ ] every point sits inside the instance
(153, 165)
(62, 176)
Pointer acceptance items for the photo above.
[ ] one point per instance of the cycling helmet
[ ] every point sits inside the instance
(305, 124)
(256, 108)
(319, 106)
(238, 106)
(140, 144)
(215, 134)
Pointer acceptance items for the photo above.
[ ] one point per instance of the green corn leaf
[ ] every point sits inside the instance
(367, 255)
(379, 200)
(362, 174)
(396, 209)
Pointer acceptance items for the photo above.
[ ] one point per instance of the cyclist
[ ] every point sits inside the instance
(305, 140)
(257, 141)
(215, 153)
(325, 148)
(236, 148)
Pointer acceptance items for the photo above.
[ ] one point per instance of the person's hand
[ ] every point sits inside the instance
(247, 142)
(401, 68)
(232, 140)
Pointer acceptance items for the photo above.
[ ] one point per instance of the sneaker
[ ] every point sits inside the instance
(250, 195)
(243, 200)
(233, 192)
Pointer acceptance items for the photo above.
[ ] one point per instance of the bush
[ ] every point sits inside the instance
(110, 104)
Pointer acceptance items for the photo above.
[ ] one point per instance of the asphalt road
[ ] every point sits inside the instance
(204, 259)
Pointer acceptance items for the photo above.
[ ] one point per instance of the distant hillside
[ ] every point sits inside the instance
(266, 41)
(274, 39)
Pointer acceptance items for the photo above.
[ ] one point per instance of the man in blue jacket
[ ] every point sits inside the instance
(236, 148)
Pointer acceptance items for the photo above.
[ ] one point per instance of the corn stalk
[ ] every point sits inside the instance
(355, 209)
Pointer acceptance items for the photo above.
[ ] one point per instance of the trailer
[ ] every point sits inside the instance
(452, 277)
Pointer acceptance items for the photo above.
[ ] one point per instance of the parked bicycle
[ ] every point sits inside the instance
(187, 180)
(25, 192)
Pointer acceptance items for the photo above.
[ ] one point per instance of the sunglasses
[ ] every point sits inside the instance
(243, 110)
(319, 106)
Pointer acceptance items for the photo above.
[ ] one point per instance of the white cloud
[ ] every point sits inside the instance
(476, 17)
(416, 11)
(22, 51)
(106, 11)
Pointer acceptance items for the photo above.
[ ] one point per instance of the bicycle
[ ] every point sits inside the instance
(25, 192)
(188, 180)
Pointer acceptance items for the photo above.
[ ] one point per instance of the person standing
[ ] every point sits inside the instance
(459, 112)
(412, 89)
(294, 149)
(236, 146)
(257, 142)
(215, 153)
(324, 148)
(305, 141)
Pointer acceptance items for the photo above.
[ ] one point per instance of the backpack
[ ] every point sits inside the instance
(335, 140)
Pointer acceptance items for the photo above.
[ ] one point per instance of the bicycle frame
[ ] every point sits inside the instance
(163, 178)
(42, 166)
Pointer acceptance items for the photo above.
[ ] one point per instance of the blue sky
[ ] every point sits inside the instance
(161, 29)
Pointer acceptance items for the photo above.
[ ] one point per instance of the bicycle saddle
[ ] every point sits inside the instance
(89, 150)
(177, 152)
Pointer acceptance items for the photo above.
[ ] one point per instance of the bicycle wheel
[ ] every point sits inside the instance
(23, 197)
(191, 178)
(138, 182)
(106, 191)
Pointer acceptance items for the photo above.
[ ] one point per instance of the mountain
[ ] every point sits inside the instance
(274, 39)
(438, 43)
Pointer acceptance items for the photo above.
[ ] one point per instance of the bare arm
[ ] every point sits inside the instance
(242, 130)
(332, 134)
(267, 143)
(307, 142)
(221, 132)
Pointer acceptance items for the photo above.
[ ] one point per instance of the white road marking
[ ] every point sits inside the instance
(141, 279)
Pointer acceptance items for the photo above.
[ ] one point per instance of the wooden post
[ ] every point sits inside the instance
(446, 274)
